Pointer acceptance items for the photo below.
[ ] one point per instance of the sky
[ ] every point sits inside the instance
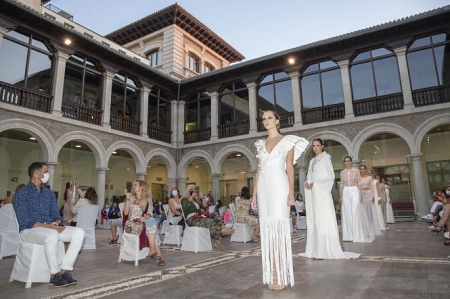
(255, 28)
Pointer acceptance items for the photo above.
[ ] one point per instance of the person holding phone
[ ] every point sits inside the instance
(194, 202)
(89, 197)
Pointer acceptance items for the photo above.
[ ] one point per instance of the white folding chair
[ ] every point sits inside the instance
(87, 215)
(212, 209)
(165, 225)
(242, 231)
(222, 210)
(173, 232)
(9, 231)
(129, 249)
(196, 239)
(301, 220)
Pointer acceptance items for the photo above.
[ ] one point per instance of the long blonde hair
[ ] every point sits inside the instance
(187, 190)
(145, 189)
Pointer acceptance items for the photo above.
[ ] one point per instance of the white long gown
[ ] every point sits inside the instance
(377, 207)
(389, 211)
(272, 194)
(322, 236)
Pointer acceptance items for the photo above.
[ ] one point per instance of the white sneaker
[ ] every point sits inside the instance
(429, 216)
(432, 227)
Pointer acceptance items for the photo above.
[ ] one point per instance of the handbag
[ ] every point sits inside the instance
(174, 220)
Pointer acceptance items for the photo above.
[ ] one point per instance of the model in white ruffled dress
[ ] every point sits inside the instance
(377, 211)
(389, 211)
(368, 199)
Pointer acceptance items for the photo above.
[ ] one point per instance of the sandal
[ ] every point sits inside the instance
(153, 255)
(161, 262)
(219, 246)
(254, 240)
(438, 229)
(275, 286)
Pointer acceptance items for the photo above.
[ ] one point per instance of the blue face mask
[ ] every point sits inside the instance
(174, 193)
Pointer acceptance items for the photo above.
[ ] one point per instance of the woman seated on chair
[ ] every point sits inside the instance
(115, 217)
(89, 197)
(242, 212)
(175, 213)
(138, 220)
(191, 204)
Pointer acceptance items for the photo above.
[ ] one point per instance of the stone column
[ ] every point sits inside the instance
(141, 176)
(144, 111)
(420, 189)
(302, 178)
(58, 82)
(51, 172)
(214, 115)
(2, 32)
(215, 186)
(106, 98)
(296, 96)
(182, 185)
(356, 163)
(253, 110)
(171, 182)
(404, 77)
(173, 122)
(101, 181)
(348, 98)
(181, 111)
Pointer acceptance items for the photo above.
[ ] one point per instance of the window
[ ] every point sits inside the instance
(275, 93)
(125, 97)
(198, 112)
(208, 68)
(193, 63)
(26, 62)
(374, 73)
(82, 82)
(428, 61)
(153, 57)
(321, 85)
(158, 109)
(233, 103)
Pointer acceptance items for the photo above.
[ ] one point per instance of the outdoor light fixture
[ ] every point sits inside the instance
(78, 146)
(291, 60)
(32, 138)
(67, 42)
(238, 155)
(114, 153)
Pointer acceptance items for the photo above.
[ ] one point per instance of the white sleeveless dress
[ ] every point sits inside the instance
(272, 194)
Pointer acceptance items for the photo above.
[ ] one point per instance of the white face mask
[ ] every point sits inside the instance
(136, 189)
(174, 193)
(45, 178)
(447, 192)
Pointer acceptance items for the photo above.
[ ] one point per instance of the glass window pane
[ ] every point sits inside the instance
(362, 56)
(239, 85)
(152, 115)
(119, 77)
(442, 55)
(72, 84)
(163, 94)
(420, 42)
(117, 99)
(439, 38)
(241, 105)
(164, 115)
(266, 98)
(327, 64)
(39, 71)
(39, 44)
(76, 59)
(281, 75)
(311, 68)
(332, 87)
(380, 52)
(131, 82)
(19, 36)
(284, 100)
(362, 81)
(205, 114)
(13, 58)
(311, 96)
(421, 69)
(226, 108)
(132, 103)
(91, 64)
(268, 78)
(92, 89)
(191, 116)
(387, 76)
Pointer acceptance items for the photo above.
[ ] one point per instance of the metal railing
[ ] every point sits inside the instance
(125, 124)
(197, 135)
(81, 112)
(24, 97)
(322, 114)
(431, 96)
(159, 134)
(234, 129)
(378, 105)
(286, 120)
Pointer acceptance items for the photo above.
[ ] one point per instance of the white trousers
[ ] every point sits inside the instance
(435, 205)
(50, 238)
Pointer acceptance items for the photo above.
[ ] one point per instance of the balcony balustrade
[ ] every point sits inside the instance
(234, 129)
(323, 114)
(197, 135)
(125, 124)
(381, 104)
(81, 113)
(24, 97)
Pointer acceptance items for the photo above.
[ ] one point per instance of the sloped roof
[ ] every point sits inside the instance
(175, 15)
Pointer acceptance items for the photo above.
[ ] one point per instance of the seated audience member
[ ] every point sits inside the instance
(300, 205)
(193, 203)
(115, 218)
(444, 223)
(159, 213)
(241, 215)
(89, 197)
(436, 202)
(68, 202)
(175, 216)
(8, 199)
(104, 212)
(218, 206)
(41, 225)
(138, 219)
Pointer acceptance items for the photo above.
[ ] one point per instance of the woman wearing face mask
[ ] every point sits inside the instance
(175, 214)
(138, 220)
(300, 205)
(89, 197)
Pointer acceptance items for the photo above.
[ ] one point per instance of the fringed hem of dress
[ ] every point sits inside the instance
(276, 250)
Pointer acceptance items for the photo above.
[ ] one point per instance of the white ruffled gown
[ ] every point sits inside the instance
(389, 211)
(272, 194)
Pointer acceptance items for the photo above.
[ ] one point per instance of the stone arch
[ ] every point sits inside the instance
(133, 150)
(183, 164)
(170, 162)
(326, 135)
(224, 152)
(90, 140)
(44, 139)
(381, 128)
(423, 129)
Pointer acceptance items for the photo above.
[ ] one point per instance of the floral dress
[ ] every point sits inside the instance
(241, 214)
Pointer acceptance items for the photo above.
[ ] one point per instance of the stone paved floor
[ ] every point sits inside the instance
(407, 261)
